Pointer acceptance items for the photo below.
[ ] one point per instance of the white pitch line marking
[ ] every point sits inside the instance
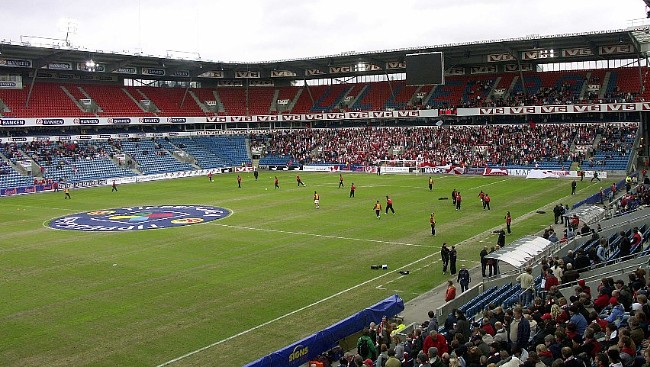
(322, 300)
(320, 235)
(171, 361)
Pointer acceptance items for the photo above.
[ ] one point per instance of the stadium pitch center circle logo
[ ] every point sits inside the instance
(139, 218)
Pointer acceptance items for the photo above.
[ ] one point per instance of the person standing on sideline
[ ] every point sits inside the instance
(316, 200)
(66, 191)
(377, 209)
(453, 255)
(239, 181)
(464, 279)
(444, 256)
(508, 221)
(486, 202)
(458, 200)
(526, 281)
(352, 188)
(574, 184)
(114, 186)
(483, 254)
(432, 222)
(299, 180)
(451, 291)
(501, 240)
(276, 183)
(340, 180)
(389, 204)
(256, 173)
(430, 183)
(453, 197)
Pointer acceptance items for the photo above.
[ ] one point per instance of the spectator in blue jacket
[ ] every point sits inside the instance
(616, 312)
(578, 319)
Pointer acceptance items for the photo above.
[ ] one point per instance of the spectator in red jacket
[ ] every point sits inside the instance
(436, 340)
(602, 300)
(451, 291)
(550, 280)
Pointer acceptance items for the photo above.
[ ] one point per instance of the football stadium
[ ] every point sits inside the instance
(470, 204)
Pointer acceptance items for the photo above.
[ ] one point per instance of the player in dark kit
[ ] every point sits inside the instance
(276, 182)
(352, 188)
(453, 197)
(239, 181)
(340, 180)
(256, 174)
(114, 187)
(299, 181)
(389, 204)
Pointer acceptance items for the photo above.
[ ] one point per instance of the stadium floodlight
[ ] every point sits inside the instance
(90, 65)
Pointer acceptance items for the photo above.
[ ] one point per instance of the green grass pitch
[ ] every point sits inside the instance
(274, 271)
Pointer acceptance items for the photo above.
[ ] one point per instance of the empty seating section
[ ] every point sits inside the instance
(356, 93)
(231, 149)
(234, 100)
(376, 96)
(204, 157)
(75, 91)
(168, 101)
(331, 99)
(307, 98)
(152, 158)
(288, 94)
(402, 96)
(260, 100)
(205, 95)
(114, 102)
(47, 100)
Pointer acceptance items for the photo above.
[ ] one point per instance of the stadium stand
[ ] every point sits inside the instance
(150, 157)
(168, 101)
(47, 100)
(114, 101)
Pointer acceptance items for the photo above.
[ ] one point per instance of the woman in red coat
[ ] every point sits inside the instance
(451, 291)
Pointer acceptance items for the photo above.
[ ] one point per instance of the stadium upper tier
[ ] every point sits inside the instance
(479, 90)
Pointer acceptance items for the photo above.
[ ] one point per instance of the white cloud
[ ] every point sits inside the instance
(255, 30)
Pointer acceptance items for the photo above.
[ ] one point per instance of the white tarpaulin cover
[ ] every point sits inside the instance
(520, 251)
(587, 213)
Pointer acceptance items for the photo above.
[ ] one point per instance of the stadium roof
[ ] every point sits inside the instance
(531, 50)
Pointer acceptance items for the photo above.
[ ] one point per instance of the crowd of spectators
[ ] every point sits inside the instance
(572, 327)
(493, 145)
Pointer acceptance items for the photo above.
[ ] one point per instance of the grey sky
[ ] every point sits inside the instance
(258, 30)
